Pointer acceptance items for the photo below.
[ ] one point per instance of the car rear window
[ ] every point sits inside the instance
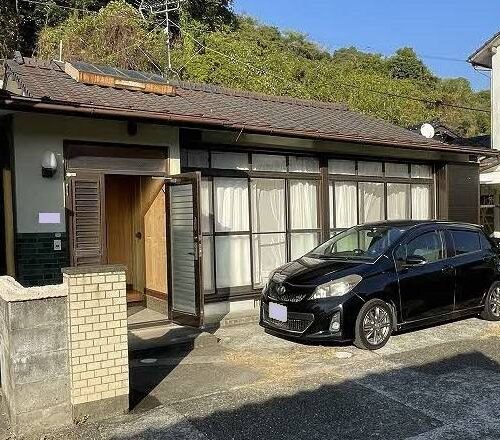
(466, 242)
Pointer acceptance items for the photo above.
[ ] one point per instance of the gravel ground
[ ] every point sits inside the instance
(437, 383)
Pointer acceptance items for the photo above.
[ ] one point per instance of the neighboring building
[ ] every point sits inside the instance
(487, 56)
(200, 190)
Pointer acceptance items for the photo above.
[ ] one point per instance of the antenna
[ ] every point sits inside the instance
(159, 11)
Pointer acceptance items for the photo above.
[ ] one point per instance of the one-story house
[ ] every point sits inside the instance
(198, 189)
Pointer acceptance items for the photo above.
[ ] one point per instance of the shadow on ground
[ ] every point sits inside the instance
(453, 397)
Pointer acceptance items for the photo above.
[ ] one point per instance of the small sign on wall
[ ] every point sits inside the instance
(49, 218)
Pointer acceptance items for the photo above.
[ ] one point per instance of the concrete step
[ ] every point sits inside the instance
(233, 318)
(168, 336)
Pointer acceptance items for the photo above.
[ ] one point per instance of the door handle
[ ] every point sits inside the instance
(447, 269)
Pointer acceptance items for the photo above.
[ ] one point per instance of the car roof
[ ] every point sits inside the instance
(414, 223)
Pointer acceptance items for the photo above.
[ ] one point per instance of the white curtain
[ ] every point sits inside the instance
(346, 205)
(420, 202)
(304, 204)
(302, 243)
(207, 263)
(303, 164)
(232, 260)
(371, 201)
(206, 206)
(397, 201)
(336, 166)
(268, 205)
(231, 204)
(268, 254)
(268, 162)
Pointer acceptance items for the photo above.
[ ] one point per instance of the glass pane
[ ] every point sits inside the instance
(421, 171)
(420, 202)
(268, 254)
(231, 204)
(427, 245)
(232, 259)
(336, 166)
(304, 204)
(197, 158)
(230, 161)
(396, 169)
(208, 264)
(302, 243)
(268, 205)
(465, 242)
(371, 202)
(303, 164)
(346, 205)
(370, 168)
(268, 162)
(398, 207)
(206, 206)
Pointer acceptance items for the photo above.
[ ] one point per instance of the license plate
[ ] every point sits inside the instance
(278, 312)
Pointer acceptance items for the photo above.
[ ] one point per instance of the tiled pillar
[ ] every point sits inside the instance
(98, 347)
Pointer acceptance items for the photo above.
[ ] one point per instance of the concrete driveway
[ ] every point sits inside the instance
(438, 383)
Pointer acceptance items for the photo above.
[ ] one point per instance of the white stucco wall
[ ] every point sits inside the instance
(35, 134)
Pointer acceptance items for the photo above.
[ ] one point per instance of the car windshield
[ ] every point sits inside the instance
(361, 242)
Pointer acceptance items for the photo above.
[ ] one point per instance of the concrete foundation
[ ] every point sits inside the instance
(34, 356)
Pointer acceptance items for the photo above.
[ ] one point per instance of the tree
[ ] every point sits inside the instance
(116, 36)
(405, 64)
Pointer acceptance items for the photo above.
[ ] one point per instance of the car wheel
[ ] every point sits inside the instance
(491, 310)
(373, 325)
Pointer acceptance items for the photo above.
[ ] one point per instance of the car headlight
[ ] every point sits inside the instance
(337, 287)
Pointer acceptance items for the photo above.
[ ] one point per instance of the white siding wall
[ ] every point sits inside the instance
(35, 134)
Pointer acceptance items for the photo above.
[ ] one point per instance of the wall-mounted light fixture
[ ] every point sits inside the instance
(49, 164)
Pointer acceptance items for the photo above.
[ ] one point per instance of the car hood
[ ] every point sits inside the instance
(312, 271)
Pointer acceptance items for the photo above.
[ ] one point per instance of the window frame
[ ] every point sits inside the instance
(385, 180)
(220, 293)
(324, 179)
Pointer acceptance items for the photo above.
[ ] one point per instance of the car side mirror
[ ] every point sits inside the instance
(414, 260)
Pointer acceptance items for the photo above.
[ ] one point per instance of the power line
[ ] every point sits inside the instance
(342, 83)
(50, 4)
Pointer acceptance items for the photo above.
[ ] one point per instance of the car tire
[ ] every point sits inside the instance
(491, 310)
(373, 325)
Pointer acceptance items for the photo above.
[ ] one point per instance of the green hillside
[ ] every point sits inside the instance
(210, 44)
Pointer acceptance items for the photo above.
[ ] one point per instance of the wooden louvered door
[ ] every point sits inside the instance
(184, 249)
(86, 212)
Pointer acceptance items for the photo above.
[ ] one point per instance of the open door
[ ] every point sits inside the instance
(85, 218)
(184, 249)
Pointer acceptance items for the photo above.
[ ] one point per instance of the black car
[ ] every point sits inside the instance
(371, 280)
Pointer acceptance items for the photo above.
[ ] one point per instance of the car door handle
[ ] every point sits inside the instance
(447, 269)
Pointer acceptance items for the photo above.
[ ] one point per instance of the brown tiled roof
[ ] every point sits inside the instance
(229, 108)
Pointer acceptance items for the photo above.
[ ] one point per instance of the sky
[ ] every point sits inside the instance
(443, 32)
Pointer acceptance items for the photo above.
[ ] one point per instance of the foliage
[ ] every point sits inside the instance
(241, 53)
(115, 36)
(405, 64)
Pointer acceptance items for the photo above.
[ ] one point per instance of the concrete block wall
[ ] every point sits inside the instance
(34, 356)
(98, 345)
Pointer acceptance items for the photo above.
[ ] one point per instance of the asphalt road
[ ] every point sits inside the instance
(438, 383)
